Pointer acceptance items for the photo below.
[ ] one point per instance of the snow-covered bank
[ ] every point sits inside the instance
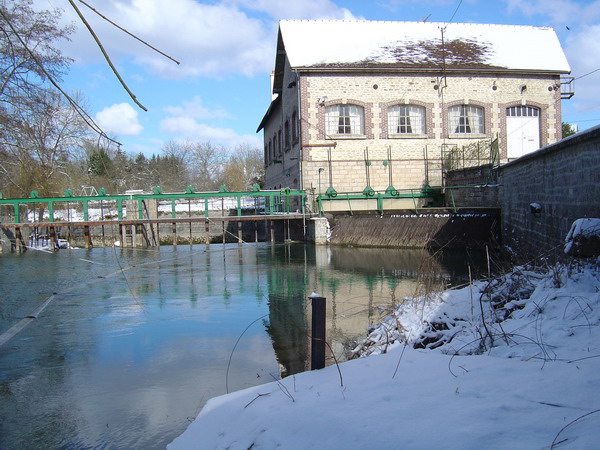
(528, 376)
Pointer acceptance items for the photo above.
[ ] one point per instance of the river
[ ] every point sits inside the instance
(135, 341)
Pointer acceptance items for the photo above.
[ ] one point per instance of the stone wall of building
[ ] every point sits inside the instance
(345, 158)
(282, 154)
(563, 180)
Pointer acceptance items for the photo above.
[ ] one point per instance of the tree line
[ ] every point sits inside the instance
(204, 166)
(49, 143)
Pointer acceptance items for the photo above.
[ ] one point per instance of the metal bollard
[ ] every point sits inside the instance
(317, 354)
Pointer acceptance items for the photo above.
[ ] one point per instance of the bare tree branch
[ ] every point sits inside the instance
(114, 69)
(130, 34)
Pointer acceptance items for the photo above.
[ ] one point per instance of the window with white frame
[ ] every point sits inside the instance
(466, 119)
(522, 111)
(406, 119)
(344, 119)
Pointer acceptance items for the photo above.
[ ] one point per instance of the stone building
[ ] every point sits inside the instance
(360, 104)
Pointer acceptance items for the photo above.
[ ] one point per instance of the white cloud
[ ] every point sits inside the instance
(189, 122)
(306, 9)
(120, 119)
(195, 109)
(209, 38)
(189, 129)
(583, 53)
(559, 12)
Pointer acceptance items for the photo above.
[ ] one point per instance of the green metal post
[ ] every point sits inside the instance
(17, 213)
(206, 207)
(51, 211)
(173, 210)
(85, 211)
(120, 208)
(379, 203)
(239, 204)
(349, 204)
(140, 203)
(452, 198)
(412, 193)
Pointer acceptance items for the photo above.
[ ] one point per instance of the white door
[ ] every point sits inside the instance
(523, 130)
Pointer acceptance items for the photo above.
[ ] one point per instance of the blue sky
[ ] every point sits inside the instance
(220, 90)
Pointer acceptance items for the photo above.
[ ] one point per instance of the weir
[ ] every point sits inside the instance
(391, 218)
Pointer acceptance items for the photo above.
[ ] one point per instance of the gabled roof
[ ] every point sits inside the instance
(332, 44)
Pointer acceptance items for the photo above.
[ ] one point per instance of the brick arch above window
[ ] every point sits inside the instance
(487, 118)
(384, 117)
(544, 130)
(367, 109)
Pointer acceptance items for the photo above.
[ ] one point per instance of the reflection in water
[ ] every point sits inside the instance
(136, 341)
(361, 287)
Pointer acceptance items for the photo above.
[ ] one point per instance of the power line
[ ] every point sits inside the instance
(589, 73)
(455, 11)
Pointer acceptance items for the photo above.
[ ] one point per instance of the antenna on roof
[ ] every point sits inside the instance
(426, 18)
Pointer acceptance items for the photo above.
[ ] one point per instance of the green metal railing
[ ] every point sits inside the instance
(331, 195)
(275, 202)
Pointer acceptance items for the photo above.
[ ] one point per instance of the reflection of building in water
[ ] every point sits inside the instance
(288, 327)
(361, 287)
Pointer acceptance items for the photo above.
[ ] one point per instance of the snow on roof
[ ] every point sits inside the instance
(331, 43)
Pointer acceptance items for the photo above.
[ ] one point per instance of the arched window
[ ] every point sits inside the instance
(466, 119)
(344, 119)
(406, 119)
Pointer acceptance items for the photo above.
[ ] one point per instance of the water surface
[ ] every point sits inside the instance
(136, 341)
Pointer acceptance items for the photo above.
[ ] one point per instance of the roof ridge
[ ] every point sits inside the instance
(413, 22)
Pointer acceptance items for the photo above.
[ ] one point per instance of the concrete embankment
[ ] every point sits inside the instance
(433, 229)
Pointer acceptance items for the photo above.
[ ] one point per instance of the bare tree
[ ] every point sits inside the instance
(206, 165)
(244, 168)
(39, 139)
(28, 51)
(36, 127)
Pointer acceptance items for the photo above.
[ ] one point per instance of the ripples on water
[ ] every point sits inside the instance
(136, 341)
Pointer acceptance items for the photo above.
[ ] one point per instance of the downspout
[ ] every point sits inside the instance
(299, 115)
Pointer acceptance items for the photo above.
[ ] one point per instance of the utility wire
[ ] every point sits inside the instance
(589, 73)
(130, 34)
(108, 60)
(80, 111)
(454, 14)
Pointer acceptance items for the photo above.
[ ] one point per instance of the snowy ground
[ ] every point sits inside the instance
(109, 210)
(507, 363)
